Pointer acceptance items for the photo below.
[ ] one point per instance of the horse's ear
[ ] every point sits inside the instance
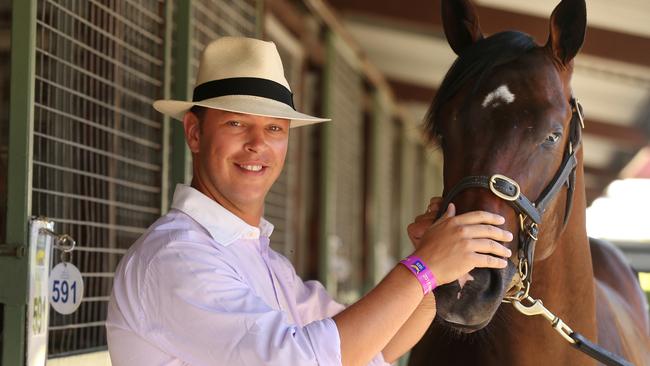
(567, 33)
(460, 22)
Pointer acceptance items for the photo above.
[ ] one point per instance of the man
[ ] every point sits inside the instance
(202, 286)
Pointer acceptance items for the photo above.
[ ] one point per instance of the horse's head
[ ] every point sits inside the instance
(503, 108)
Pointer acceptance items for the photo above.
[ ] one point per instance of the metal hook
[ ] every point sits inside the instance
(61, 240)
(537, 308)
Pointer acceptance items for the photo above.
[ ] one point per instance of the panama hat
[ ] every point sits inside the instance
(242, 75)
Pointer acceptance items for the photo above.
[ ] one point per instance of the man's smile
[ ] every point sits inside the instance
(252, 168)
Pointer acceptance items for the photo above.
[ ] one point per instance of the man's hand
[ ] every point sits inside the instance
(418, 227)
(454, 245)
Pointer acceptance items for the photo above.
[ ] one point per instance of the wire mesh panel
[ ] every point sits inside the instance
(420, 163)
(212, 19)
(346, 169)
(281, 199)
(209, 20)
(408, 201)
(385, 214)
(97, 142)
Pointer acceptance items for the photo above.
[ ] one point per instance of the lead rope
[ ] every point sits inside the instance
(576, 339)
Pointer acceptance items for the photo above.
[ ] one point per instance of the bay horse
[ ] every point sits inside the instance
(505, 119)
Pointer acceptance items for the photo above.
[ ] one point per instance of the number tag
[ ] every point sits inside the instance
(66, 288)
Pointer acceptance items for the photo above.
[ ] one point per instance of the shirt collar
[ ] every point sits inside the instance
(224, 226)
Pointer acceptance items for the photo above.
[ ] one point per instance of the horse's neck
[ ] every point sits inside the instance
(564, 282)
(566, 279)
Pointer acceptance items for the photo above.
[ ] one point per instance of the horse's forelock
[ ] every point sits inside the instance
(473, 64)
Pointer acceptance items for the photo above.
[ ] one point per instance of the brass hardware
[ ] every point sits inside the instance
(536, 307)
(576, 107)
(500, 194)
(522, 286)
(528, 229)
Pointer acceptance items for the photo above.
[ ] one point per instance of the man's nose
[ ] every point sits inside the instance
(256, 140)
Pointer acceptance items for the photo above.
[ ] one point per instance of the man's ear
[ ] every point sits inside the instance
(460, 21)
(192, 127)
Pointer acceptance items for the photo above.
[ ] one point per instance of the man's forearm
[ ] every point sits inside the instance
(411, 332)
(367, 326)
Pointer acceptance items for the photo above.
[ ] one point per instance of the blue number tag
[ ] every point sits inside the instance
(66, 288)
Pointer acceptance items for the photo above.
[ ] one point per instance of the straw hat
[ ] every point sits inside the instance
(242, 75)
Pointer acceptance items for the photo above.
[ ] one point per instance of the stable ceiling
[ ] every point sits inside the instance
(406, 42)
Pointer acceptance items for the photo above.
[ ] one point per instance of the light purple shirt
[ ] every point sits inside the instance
(202, 287)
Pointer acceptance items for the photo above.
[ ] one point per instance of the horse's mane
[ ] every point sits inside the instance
(474, 63)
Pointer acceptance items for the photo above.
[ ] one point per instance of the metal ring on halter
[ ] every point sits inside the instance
(527, 229)
(500, 194)
(577, 107)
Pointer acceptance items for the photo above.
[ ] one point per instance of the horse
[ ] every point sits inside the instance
(509, 128)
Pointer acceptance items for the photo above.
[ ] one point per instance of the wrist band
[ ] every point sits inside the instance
(421, 272)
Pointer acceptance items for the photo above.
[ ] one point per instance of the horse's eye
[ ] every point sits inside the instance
(553, 138)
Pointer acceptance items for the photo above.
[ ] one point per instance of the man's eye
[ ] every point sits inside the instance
(234, 123)
(275, 128)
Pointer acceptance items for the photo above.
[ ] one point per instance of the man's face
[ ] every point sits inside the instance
(237, 157)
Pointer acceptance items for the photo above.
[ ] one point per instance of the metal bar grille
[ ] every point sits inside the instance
(384, 153)
(346, 167)
(278, 208)
(97, 142)
(212, 19)
(208, 20)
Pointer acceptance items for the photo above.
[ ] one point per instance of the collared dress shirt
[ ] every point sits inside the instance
(201, 287)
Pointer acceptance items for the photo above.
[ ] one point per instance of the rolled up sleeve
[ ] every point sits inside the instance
(314, 302)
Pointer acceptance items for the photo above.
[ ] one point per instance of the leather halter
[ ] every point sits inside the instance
(530, 213)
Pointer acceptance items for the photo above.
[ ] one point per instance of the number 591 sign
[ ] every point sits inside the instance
(66, 288)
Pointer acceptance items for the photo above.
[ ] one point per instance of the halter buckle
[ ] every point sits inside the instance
(576, 108)
(493, 188)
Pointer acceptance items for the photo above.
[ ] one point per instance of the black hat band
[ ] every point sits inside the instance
(257, 87)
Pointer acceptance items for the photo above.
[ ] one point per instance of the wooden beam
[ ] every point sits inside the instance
(404, 91)
(425, 14)
(629, 137)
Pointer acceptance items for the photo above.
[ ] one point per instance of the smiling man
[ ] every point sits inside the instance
(203, 287)
(241, 155)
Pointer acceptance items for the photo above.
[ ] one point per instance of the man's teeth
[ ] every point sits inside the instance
(252, 168)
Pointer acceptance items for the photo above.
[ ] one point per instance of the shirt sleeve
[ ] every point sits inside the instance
(198, 309)
(314, 302)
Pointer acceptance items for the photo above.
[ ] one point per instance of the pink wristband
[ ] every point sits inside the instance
(421, 272)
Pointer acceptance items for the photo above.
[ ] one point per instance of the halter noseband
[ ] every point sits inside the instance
(530, 213)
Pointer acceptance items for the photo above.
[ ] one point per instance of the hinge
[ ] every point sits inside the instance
(12, 250)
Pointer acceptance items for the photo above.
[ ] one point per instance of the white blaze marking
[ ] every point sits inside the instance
(500, 94)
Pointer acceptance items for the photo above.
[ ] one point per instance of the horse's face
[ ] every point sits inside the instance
(514, 122)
